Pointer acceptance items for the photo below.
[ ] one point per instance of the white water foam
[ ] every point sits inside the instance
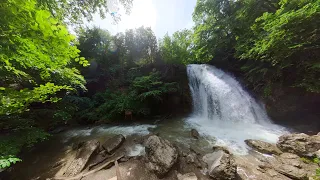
(223, 109)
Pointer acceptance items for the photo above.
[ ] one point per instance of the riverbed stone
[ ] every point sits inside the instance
(82, 156)
(263, 147)
(221, 165)
(161, 155)
(300, 144)
(188, 176)
(113, 143)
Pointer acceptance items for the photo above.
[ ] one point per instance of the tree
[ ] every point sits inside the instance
(36, 57)
(75, 11)
(177, 49)
(285, 46)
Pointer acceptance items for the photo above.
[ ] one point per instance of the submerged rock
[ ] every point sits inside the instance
(221, 165)
(161, 155)
(263, 147)
(113, 143)
(195, 134)
(300, 144)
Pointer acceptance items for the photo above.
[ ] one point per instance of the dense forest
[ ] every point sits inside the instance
(52, 78)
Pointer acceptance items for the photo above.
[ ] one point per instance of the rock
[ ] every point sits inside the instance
(291, 159)
(160, 154)
(221, 165)
(113, 143)
(82, 157)
(188, 176)
(292, 172)
(263, 147)
(289, 165)
(300, 144)
(195, 134)
(218, 148)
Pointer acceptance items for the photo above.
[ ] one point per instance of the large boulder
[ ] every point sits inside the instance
(300, 144)
(113, 143)
(221, 165)
(263, 147)
(161, 155)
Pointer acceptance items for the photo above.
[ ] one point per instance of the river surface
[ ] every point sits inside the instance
(224, 114)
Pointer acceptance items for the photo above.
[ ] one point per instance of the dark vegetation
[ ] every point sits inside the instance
(51, 78)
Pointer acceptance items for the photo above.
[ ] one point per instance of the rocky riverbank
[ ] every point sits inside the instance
(291, 158)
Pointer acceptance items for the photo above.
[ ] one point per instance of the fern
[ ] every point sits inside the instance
(7, 161)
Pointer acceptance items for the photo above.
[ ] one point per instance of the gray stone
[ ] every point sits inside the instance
(263, 147)
(221, 165)
(161, 155)
(300, 144)
(113, 143)
(188, 176)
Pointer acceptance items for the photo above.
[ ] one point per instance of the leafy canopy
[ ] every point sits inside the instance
(36, 57)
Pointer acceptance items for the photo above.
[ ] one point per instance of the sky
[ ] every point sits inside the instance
(163, 16)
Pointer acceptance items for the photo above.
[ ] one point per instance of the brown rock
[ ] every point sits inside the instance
(263, 147)
(300, 144)
(188, 176)
(221, 165)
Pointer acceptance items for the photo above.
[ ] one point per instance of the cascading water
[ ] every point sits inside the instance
(223, 109)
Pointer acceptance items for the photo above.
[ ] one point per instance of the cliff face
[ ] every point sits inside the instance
(295, 108)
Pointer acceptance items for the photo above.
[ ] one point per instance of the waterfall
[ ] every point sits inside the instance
(223, 109)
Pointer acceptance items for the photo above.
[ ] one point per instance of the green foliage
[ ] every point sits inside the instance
(141, 98)
(7, 161)
(272, 42)
(176, 49)
(151, 87)
(288, 41)
(76, 11)
(36, 54)
(24, 137)
(317, 176)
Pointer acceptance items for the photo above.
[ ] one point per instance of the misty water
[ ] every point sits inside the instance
(224, 114)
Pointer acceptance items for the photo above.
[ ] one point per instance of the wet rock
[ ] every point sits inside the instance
(195, 134)
(161, 155)
(113, 143)
(220, 148)
(188, 176)
(221, 165)
(81, 158)
(300, 144)
(263, 147)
